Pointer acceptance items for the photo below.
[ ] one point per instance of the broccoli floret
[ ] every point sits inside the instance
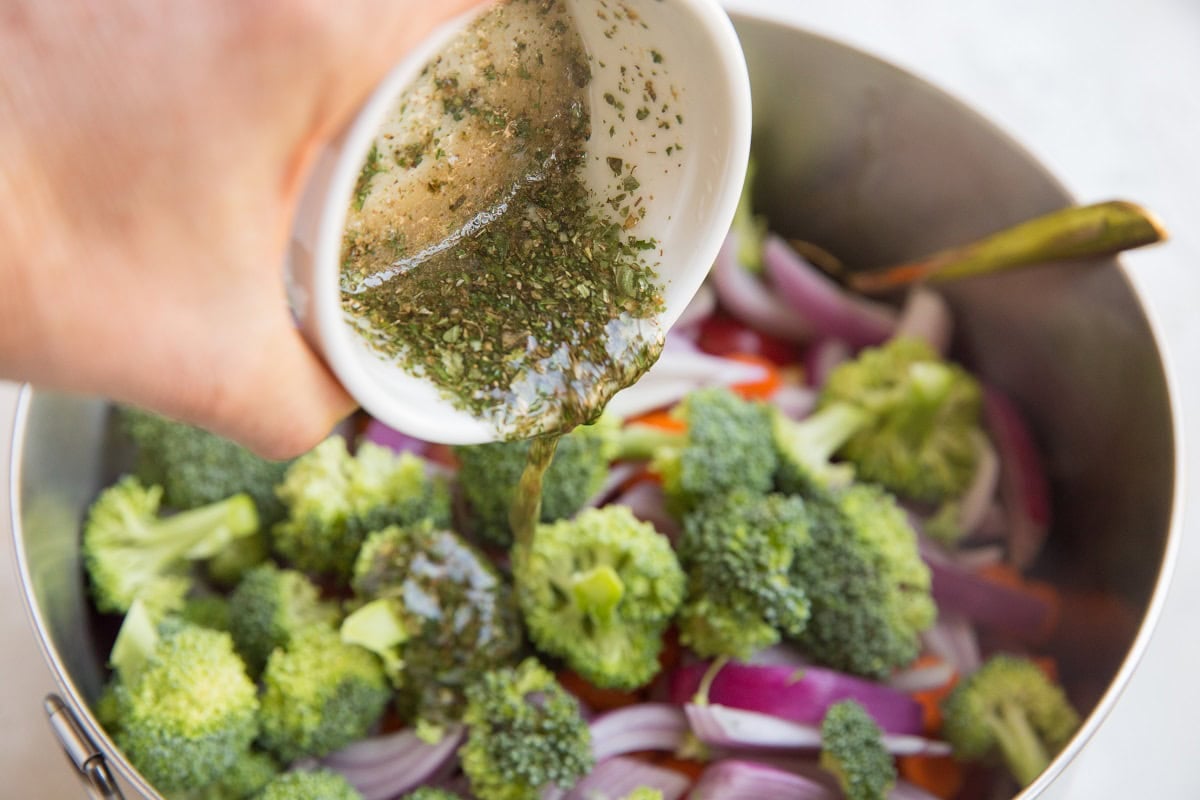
(727, 444)
(227, 568)
(431, 793)
(805, 449)
(207, 611)
(868, 589)
(335, 499)
(196, 468)
(1009, 707)
(269, 607)
(436, 611)
(319, 695)
(489, 474)
(852, 749)
(250, 773)
(923, 419)
(739, 551)
(185, 707)
(129, 549)
(598, 591)
(319, 784)
(525, 733)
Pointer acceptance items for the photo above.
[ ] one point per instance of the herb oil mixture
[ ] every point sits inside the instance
(476, 256)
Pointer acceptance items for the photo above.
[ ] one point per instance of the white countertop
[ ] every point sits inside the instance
(1103, 92)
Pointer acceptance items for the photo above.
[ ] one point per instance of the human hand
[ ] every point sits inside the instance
(153, 156)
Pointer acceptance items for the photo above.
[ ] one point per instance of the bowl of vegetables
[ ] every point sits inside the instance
(827, 547)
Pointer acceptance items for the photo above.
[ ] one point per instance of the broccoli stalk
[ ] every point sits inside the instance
(806, 448)
(920, 438)
(436, 612)
(598, 591)
(739, 551)
(1011, 708)
(525, 733)
(852, 749)
(129, 549)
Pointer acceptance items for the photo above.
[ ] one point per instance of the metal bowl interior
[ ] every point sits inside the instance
(876, 166)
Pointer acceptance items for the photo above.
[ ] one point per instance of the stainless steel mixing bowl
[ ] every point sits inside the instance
(876, 166)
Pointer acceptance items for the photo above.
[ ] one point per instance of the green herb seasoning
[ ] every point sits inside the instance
(475, 255)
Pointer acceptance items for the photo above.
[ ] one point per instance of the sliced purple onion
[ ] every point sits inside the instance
(823, 357)
(746, 297)
(698, 309)
(903, 790)
(953, 639)
(796, 402)
(393, 439)
(926, 316)
(1023, 483)
(388, 766)
(722, 726)
(614, 778)
(975, 502)
(922, 678)
(645, 726)
(618, 474)
(831, 311)
(733, 779)
(647, 502)
(682, 368)
(989, 603)
(800, 695)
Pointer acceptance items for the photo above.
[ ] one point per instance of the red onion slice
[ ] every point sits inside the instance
(746, 297)
(830, 310)
(799, 695)
(393, 439)
(926, 316)
(388, 766)
(732, 779)
(646, 726)
(614, 778)
(1023, 484)
(722, 726)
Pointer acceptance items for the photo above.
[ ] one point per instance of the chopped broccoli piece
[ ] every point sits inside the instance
(739, 551)
(805, 449)
(436, 611)
(196, 468)
(1009, 707)
(923, 419)
(430, 793)
(852, 749)
(727, 444)
(207, 611)
(227, 568)
(319, 695)
(868, 589)
(599, 591)
(525, 733)
(185, 707)
(248, 776)
(129, 549)
(335, 499)
(269, 607)
(490, 473)
(319, 784)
